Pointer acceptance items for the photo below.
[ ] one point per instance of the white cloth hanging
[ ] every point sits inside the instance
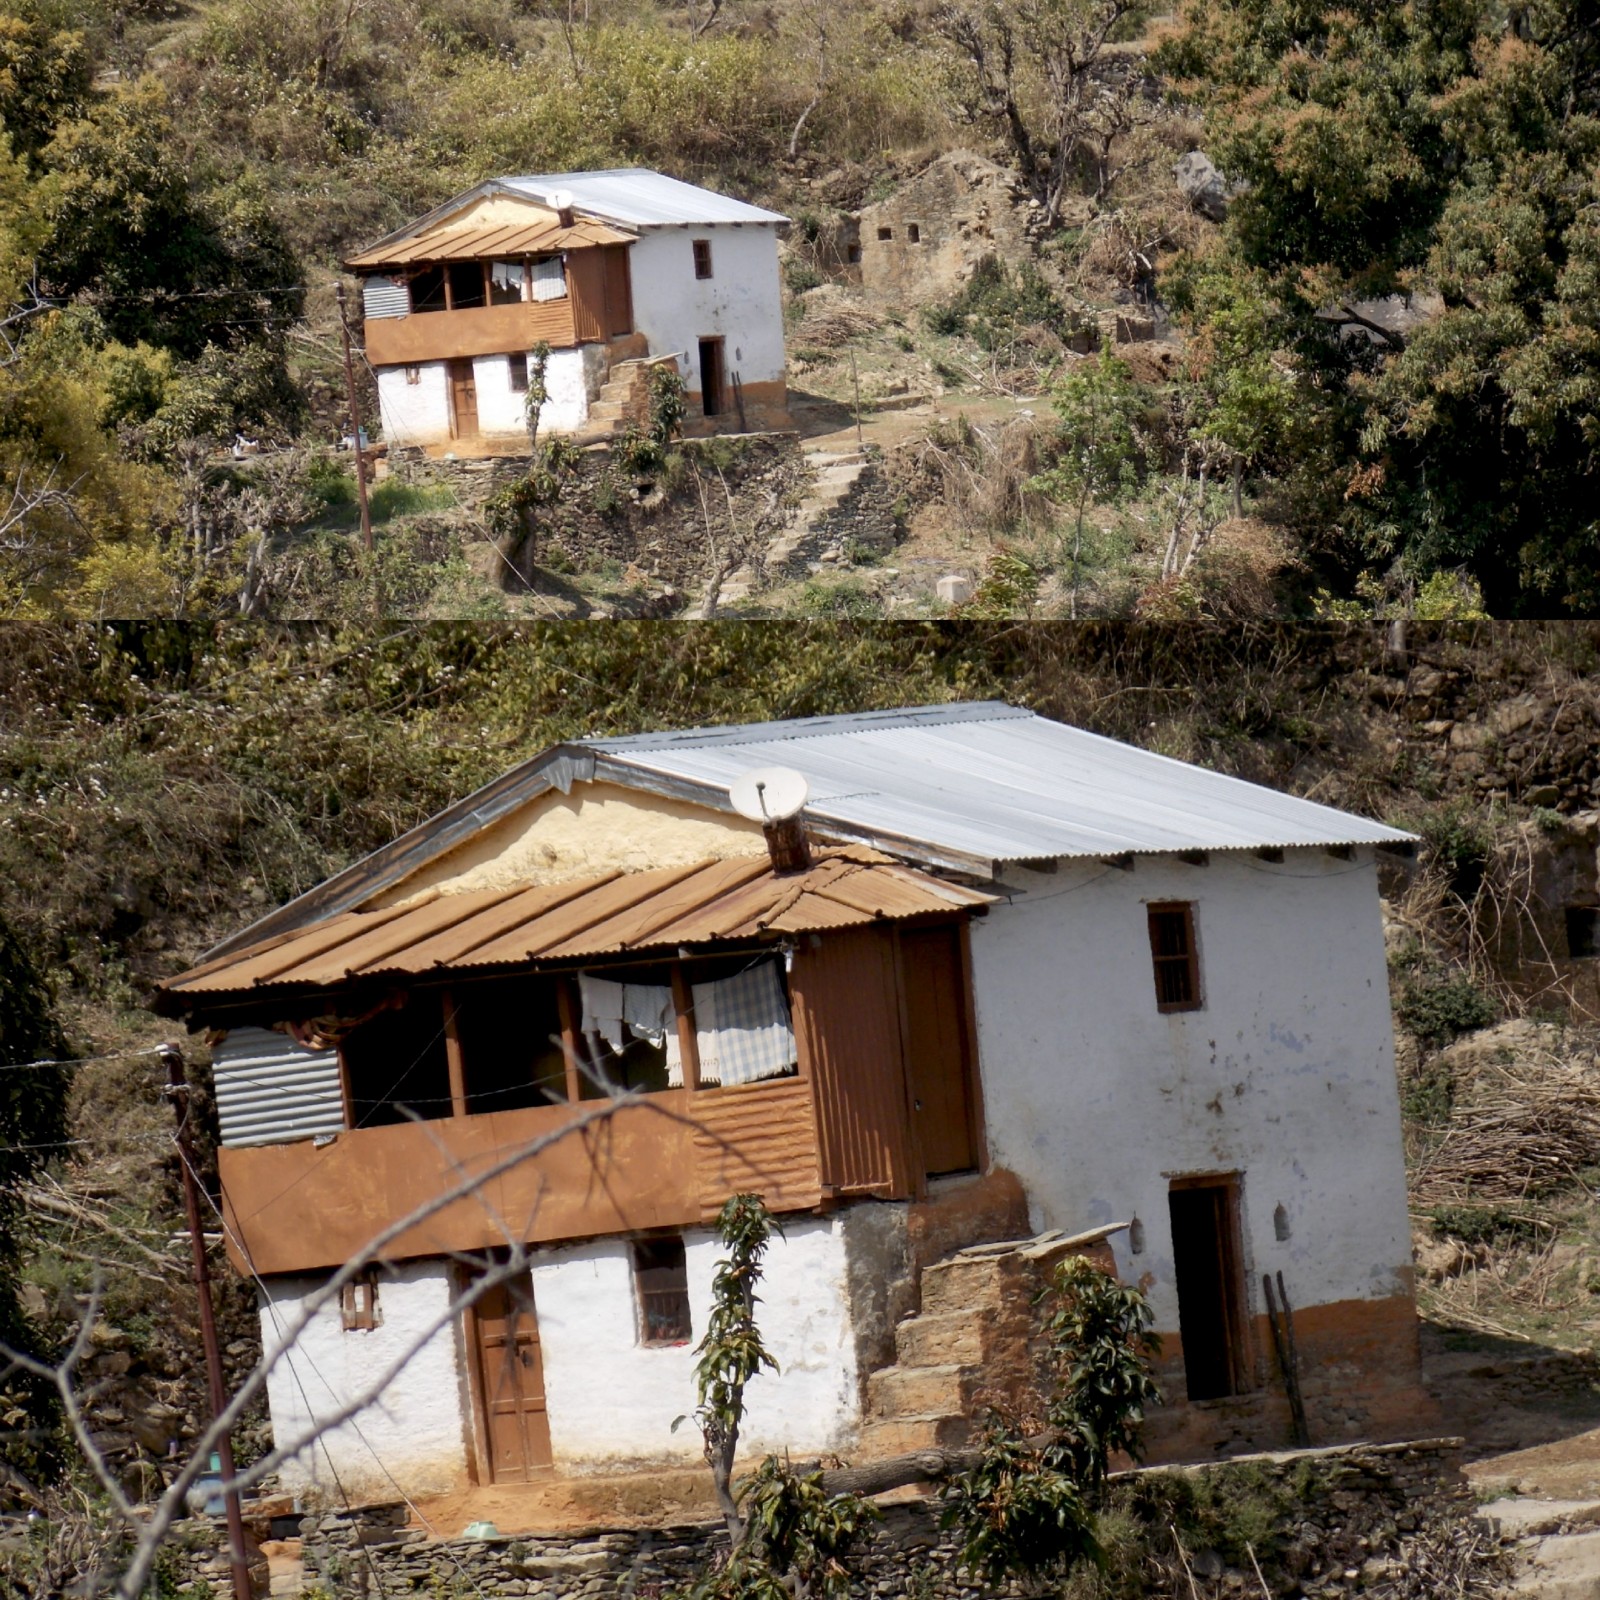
(548, 279)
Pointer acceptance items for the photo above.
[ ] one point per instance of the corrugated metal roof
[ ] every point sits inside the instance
(270, 1089)
(708, 902)
(639, 197)
(987, 782)
(968, 785)
(506, 240)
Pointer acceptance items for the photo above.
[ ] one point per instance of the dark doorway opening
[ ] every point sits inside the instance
(712, 402)
(1205, 1254)
(1583, 932)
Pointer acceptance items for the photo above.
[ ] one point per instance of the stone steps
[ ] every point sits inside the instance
(835, 474)
(1554, 1545)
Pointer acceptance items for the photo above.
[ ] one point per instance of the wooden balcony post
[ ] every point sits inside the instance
(688, 1043)
(571, 1039)
(452, 1053)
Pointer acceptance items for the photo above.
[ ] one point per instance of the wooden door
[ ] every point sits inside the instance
(464, 399)
(511, 1372)
(938, 1059)
(619, 290)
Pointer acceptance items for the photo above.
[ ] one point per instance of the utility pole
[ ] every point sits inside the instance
(361, 455)
(178, 1093)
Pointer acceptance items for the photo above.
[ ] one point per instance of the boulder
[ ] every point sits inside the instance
(1202, 185)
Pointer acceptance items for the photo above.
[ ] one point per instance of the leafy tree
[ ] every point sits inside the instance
(1100, 441)
(732, 1351)
(33, 1110)
(1026, 1508)
(1451, 153)
(787, 1534)
(1240, 391)
(45, 73)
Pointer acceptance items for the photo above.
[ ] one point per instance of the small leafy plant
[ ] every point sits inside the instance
(1026, 1509)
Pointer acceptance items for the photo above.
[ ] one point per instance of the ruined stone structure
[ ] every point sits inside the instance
(924, 240)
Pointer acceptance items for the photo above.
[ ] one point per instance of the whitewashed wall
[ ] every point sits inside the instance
(500, 407)
(742, 300)
(414, 413)
(612, 1400)
(1094, 1099)
(416, 1428)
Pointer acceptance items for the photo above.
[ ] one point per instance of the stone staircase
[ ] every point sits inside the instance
(624, 397)
(1553, 1546)
(970, 1344)
(836, 477)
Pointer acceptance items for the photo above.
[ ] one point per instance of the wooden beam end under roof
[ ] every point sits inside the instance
(1270, 852)
(1122, 863)
(1195, 858)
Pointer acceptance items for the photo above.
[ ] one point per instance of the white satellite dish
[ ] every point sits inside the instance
(560, 199)
(768, 794)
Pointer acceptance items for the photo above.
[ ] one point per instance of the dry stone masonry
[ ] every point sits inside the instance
(1340, 1520)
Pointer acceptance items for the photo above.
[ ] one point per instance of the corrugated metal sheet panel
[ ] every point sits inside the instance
(384, 297)
(990, 783)
(271, 1090)
(612, 913)
(641, 198)
(847, 1023)
(757, 1139)
(505, 240)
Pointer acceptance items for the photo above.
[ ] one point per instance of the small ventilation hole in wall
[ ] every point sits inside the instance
(1136, 1237)
(1280, 1224)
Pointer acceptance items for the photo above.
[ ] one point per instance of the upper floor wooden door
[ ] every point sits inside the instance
(464, 399)
(939, 1057)
(516, 1425)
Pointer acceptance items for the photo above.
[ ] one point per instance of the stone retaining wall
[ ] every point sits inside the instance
(1320, 1523)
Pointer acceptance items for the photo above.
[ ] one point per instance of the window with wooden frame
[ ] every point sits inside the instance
(358, 1303)
(1175, 955)
(518, 367)
(702, 258)
(661, 1283)
(413, 374)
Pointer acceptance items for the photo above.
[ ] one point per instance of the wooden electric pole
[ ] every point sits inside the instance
(178, 1093)
(361, 455)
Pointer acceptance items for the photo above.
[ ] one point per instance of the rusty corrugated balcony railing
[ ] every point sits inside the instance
(667, 1161)
(473, 331)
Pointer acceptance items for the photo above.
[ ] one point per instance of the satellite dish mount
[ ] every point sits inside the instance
(776, 797)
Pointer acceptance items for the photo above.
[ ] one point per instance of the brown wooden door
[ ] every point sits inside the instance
(464, 399)
(619, 290)
(938, 1065)
(512, 1374)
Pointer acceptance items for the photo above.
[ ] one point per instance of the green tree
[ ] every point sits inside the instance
(1026, 1508)
(1449, 153)
(1100, 444)
(787, 1535)
(33, 1111)
(1240, 391)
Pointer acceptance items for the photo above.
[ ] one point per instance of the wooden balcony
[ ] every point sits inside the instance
(476, 331)
(667, 1163)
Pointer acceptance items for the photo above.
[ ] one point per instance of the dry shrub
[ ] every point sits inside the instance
(833, 317)
(981, 473)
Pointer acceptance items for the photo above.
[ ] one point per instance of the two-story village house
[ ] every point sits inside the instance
(613, 271)
(1025, 979)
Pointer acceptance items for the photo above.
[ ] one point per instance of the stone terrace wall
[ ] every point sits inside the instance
(1344, 1516)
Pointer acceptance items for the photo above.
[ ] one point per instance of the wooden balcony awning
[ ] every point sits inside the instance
(608, 915)
(504, 241)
